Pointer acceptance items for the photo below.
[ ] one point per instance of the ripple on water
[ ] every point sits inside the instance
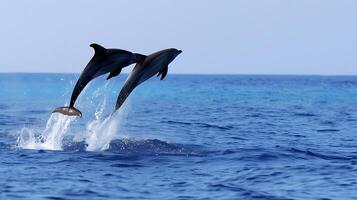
(328, 130)
(200, 124)
(319, 155)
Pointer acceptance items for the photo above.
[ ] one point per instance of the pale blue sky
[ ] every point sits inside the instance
(225, 36)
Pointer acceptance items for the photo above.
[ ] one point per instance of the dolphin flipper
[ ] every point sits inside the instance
(114, 73)
(163, 72)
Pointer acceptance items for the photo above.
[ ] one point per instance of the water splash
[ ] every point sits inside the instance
(98, 133)
(51, 138)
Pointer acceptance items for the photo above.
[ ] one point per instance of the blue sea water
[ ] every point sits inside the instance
(187, 137)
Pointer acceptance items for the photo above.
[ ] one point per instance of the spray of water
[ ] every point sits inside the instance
(103, 129)
(101, 132)
(51, 138)
(98, 134)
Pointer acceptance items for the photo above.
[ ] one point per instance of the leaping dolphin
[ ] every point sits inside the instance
(103, 61)
(146, 67)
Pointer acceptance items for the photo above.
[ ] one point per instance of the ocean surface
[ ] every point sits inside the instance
(186, 137)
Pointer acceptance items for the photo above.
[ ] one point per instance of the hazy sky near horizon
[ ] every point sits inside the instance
(228, 36)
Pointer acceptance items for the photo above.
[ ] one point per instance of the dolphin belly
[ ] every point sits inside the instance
(128, 87)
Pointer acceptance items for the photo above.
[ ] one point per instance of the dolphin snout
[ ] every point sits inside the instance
(179, 51)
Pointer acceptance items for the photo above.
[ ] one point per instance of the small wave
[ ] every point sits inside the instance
(327, 130)
(122, 165)
(254, 154)
(304, 114)
(79, 192)
(228, 127)
(228, 151)
(257, 115)
(55, 198)
(319, 155)
(176, 122)
(247, 193)
(237, 138)
(327, 122)
(200, 124)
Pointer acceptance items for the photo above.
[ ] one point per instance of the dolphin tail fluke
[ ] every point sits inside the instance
(70, 111)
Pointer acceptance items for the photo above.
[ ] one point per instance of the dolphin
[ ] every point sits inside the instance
(104, 61)
(145, 68)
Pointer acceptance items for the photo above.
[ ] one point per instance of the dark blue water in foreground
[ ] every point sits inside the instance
(187, 137)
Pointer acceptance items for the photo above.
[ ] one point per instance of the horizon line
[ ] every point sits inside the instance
(223, 74)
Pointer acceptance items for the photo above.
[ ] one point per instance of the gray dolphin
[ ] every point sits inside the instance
(103, 61)
(145, 68)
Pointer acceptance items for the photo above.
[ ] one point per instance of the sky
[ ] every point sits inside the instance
(217, 37)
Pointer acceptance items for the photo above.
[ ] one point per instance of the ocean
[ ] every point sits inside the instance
(186, 137)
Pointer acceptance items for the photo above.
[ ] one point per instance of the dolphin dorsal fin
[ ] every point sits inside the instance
(97, 48)
(139, 57)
